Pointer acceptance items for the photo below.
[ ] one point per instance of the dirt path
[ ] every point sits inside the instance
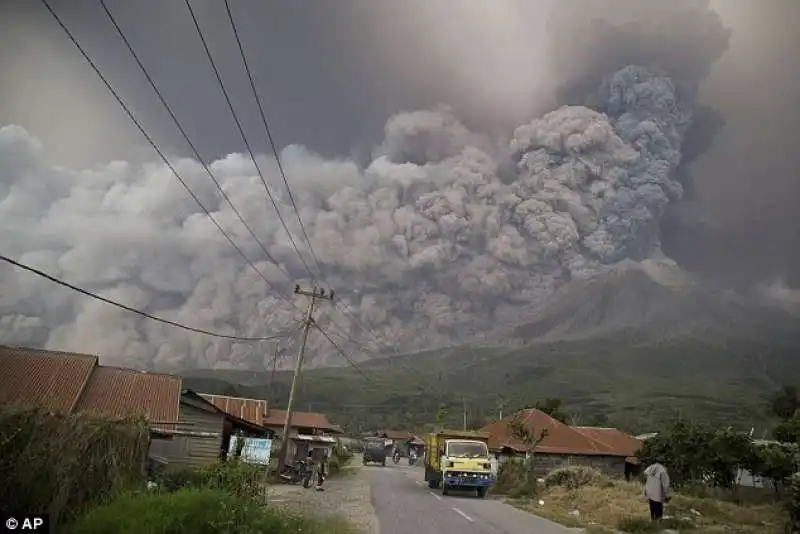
(347, 495)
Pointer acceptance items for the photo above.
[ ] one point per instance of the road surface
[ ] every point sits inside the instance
(404, 504)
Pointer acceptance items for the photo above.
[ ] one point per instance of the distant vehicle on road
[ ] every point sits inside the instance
(375, 451)
(458, 460)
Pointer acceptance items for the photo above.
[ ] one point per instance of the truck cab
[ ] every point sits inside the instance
(458, 460)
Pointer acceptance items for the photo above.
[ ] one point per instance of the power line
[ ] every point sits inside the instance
(244, 137)
(279, 164)
(132, 310)
(271, 140)
(347, 357)
(183, 132)
(151, 141)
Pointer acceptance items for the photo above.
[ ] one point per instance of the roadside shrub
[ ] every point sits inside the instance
(575, 477)
(61, 464)
(793, 504)
(241, 479)
(342, 454)
(510, 475)
(196, 511)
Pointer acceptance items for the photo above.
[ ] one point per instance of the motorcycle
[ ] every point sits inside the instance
(396, 457)
(412, 459)
(299, 471)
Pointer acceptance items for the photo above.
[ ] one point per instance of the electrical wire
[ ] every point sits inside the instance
(183, 132)
(272, 141)
(133, 310)
(274, 148)
(152, 143)
(244, 137)
(346, 356)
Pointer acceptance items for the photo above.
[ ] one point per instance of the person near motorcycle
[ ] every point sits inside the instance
(319, 459)
(396, 454)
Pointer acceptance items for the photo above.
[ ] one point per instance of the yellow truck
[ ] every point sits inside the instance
(458, 460)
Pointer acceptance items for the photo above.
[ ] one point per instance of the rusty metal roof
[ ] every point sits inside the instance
(252, 410)
(560, 438)
(50, 379)
(116, 392)
(613, 438)
(319, 421)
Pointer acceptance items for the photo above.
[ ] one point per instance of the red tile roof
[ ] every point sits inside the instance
(613, 438)
(319, 421)
(560, 438)
(252, 410)
(117, 393)
(50, 379)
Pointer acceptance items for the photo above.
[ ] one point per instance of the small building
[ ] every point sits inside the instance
(608, 450)
(308, 430)
(71, 383)
(203, 433)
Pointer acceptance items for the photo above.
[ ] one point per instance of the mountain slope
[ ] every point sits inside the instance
(637, 344)
(650, 301)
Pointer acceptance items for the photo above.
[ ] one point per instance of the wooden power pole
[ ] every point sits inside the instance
(313, 294)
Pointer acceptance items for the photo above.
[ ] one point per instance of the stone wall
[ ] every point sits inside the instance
(613, 466)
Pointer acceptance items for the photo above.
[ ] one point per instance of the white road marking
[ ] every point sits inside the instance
(462, 514)
(437, 496)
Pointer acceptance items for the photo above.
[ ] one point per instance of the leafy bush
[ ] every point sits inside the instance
(698, 454)
(510, 475)
(575, 477)
(65, 463)
(195, 511)
(233, 476)
(793, 504)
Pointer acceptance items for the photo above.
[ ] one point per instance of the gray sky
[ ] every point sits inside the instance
(331, 73)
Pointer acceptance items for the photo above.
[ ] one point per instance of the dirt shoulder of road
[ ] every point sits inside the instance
(347, 496)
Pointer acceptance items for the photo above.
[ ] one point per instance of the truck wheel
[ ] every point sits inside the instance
(482, 493)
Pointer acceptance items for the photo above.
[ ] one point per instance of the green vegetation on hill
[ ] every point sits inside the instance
(608, 380)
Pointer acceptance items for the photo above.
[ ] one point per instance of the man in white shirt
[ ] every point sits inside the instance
(657, 488)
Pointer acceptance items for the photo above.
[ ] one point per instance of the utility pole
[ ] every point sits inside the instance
(313, 294)
(464, 402)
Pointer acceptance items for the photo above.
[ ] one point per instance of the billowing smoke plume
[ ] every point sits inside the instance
(444, 234)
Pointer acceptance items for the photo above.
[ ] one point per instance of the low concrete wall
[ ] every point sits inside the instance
(613, 466)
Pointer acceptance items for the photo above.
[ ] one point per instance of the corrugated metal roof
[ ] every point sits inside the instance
(560, 438)
(276, 418)
(50, 379)
(117, 393)
(253, 410)
(614, 438)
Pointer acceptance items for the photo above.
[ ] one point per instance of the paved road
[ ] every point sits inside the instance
(404, 504)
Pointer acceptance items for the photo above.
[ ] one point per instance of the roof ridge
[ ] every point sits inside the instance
(137, 371)
(85, 383)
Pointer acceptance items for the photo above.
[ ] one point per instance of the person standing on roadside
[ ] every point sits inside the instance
(657, 488)
(320, 459)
